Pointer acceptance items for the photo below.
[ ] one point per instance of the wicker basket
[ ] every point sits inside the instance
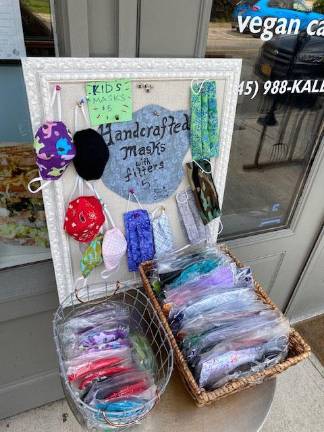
(298, 350)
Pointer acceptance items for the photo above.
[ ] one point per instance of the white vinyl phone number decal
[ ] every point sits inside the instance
(251, 88)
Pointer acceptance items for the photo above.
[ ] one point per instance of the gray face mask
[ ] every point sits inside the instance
(193, 224)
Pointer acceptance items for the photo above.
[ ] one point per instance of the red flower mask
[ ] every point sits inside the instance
(84, 218)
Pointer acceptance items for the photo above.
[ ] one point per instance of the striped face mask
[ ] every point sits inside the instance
(204, 121)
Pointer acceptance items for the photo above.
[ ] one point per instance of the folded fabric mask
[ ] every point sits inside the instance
(204, 190)
(92, 257)
(84, 218)
(163, 240)
(139, 236)
(204, 121)
(91, 154)
(54, 151)
(195, 229)
(114, 247)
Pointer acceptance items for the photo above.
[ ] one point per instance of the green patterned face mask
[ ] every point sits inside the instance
(204, 121)
(92, 257)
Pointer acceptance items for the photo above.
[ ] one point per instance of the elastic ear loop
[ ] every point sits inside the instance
(201, 168)
(57, 95)
(42, 186)
(107, 212)
(77, 283)
(221, 227)
(161, 208)
(200, 88)
(77, 184)
(80, 105)
(137, 200)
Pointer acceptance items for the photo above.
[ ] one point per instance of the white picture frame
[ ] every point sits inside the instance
(41, 74)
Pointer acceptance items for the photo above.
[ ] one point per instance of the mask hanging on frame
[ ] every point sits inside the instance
(204, 190)
(204, 137)
(54, 147)
(195, 229)
(92, 153)
(162, 233)
(139, 235)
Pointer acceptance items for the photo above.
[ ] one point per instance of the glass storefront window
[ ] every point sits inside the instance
(37, 26)
(279, 122)
(23, 232)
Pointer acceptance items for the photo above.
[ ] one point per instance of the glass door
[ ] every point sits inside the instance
(277, 138)
(277, 126)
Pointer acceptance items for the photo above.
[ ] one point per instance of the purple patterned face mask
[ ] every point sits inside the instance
(54, 149)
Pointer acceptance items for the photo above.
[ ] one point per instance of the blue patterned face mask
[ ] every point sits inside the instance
(139, 236)
(162, 233)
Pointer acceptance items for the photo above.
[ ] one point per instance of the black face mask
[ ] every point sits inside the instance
(91, 154)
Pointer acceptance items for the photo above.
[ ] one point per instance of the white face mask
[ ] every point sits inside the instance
(114, 246)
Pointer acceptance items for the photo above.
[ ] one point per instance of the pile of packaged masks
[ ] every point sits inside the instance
(109, 365)
(223, 329)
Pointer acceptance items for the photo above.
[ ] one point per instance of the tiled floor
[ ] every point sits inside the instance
(298, 406)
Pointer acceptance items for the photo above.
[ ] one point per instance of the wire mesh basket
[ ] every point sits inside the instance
(143, 319)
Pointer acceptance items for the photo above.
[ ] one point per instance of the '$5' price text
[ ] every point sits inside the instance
(251, 88)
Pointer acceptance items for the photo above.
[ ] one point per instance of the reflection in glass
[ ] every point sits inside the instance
(23, 232)
(37, 27)
(276, 135)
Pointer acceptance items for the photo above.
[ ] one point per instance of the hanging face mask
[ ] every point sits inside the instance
(204, 190)
(54, 149)
(139, 236)
(91, 154)
(196, 230)
(204, 121)
(92, 257)
(114, 247)
(91, 150)
(84, 218)
(163, 240)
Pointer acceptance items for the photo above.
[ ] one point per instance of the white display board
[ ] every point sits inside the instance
(171, 80)
(12, 44)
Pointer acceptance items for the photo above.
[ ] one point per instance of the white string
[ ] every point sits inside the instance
(80, 279)
(161, 208)
(108, 214)
(134, 195)
(76, 117)
(202, 169)
(59, 104)
(200, 88)
(42, 186)
(86, 119)
(57, 95)
(222, 227)
(80, 105)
